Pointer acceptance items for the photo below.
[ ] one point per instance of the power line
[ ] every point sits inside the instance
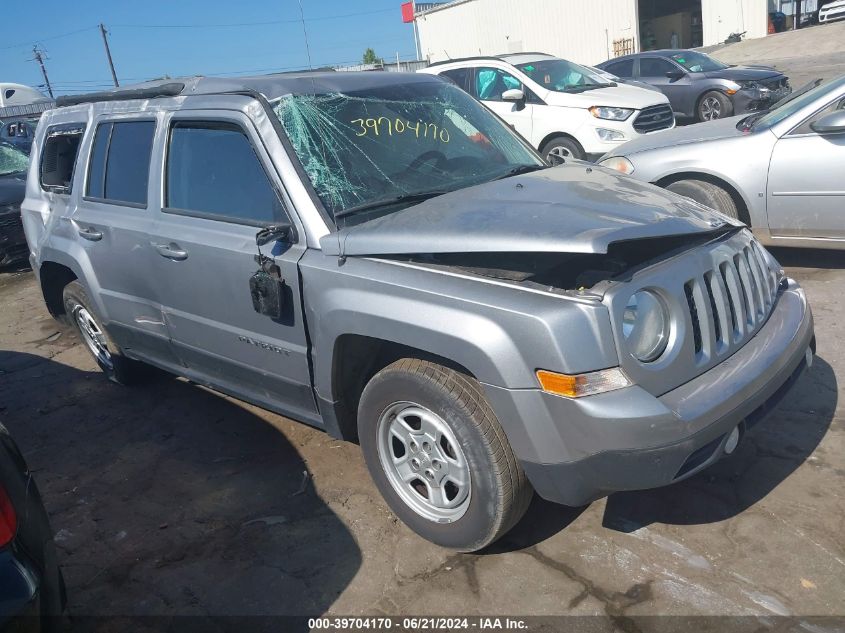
(246, 24)
(47, 39)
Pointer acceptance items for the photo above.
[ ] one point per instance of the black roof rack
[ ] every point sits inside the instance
(162, 90)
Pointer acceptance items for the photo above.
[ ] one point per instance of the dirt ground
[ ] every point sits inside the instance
(171, 499)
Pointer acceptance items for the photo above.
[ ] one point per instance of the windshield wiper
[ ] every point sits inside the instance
(419, 196)
(590, 87)
(521, 169)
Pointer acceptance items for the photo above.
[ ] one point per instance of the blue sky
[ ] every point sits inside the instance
(194, 42)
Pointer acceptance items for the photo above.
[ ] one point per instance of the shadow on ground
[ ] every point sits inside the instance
(809, 258)
(768, 454)
(168, 499)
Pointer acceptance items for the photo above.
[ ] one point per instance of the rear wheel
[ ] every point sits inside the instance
(439, 456)
(708, 194)
(714, 105)
(561, 148)
(81, 315)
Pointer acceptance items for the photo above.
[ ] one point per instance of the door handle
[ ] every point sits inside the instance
(171, 251)
(91, 234)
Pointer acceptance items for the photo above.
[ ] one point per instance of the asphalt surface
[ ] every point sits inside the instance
(170, 499)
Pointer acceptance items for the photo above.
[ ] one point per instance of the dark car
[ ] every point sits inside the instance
(32, 594)
(701, 87)
(19, 134)
(13, 164)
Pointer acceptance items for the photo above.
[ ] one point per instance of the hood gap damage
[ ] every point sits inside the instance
(567, 272)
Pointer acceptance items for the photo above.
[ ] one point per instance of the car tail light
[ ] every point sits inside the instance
(8, 519)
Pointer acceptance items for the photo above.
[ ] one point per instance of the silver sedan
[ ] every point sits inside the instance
(781, 171)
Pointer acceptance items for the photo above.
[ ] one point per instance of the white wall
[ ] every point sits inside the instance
(720, 18)
(572, 29)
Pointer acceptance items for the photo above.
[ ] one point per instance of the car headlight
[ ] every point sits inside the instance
(645, 325)
(619, 163)
(610, 136)
(610, 113)
(750, 85)
(731, 87)
(10, 208)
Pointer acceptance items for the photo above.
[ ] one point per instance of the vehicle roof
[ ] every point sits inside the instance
(504, 57)
(269, 86)
(663, 52)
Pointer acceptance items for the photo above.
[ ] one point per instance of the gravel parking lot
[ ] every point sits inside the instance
(171, 499)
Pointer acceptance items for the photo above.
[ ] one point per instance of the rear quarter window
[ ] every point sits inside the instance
(58, 157)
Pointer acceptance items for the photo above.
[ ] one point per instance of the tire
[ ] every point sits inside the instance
(563, 147)
(80, 314)
(453, 405)
(708, 194)
(713, 105)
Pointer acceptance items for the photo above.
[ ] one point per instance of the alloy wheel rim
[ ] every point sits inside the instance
(560, 152)
(424, 462)
(711, 109)
(93, 336)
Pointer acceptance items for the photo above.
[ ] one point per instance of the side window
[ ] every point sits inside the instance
(213, 170)
(120, 162)
(805, 128)
(490, 83)
(459, 75)
(58, 157)
(625, 68)
(655, 67)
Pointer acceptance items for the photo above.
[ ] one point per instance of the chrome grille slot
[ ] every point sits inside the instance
(693, 312)
(747, 292)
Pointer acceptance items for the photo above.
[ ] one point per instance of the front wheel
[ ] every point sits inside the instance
(559, 149)
(714, 105)
(439, 456)
(708, 194)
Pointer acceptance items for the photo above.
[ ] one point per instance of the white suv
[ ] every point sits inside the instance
(561, 108)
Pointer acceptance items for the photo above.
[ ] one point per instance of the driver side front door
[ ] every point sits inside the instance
(489, 83)
(805, 191)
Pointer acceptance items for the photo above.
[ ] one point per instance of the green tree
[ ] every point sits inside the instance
(370, 57)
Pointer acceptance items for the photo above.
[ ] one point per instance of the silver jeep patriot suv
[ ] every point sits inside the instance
(379, 256)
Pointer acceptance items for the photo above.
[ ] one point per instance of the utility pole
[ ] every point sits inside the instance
(40, 59)
(108, 54)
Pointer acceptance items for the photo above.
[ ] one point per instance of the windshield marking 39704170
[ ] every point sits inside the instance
(369, 152)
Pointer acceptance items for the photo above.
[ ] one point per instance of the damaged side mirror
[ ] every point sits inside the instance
(266, 286)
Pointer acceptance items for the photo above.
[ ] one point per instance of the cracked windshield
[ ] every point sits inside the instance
(379, 150)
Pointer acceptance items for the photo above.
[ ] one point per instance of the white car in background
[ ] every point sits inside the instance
(831, 11)
(563, 109)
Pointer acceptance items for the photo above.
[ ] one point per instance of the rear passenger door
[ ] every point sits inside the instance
(112, 223)
(219, 189)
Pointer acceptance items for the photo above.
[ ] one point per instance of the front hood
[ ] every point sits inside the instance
(12, 189)
(574, 208)
(696, 133)
(619, 96)
(744, 73)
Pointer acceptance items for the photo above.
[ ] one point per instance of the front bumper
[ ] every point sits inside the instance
(630, 440)
(12, 239)
(745, 101)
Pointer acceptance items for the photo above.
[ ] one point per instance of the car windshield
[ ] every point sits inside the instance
(12, 160)
(376, 151)
(564, 76)
(698, 62)
(815, 90)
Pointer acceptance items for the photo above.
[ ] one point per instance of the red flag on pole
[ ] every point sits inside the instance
(407, 12)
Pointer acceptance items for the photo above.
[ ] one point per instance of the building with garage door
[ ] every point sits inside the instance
(585, 31)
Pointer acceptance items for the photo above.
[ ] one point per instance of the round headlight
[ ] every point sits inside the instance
(645, 325)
